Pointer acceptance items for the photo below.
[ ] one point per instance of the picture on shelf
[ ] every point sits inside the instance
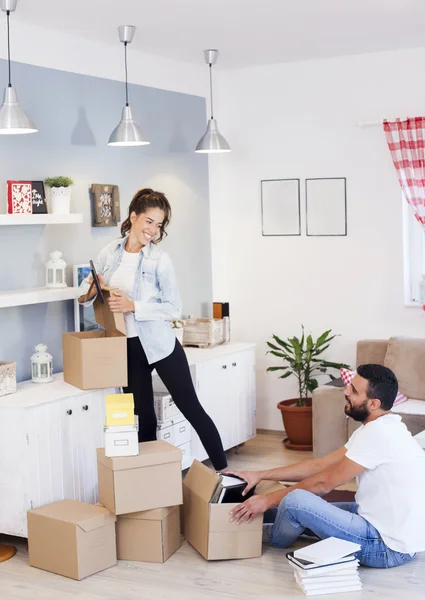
(106, 205)
(26, 197)
(84, 319)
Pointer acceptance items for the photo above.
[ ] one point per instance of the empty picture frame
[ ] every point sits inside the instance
(326, 206)
(280, 207)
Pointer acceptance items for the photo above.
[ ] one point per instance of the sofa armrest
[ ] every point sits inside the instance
(329, 420)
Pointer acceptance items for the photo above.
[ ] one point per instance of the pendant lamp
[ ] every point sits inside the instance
(13, 119)
(212, 141)
(127, 132)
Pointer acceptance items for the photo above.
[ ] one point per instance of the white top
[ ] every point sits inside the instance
(123, 279)
(391, 490)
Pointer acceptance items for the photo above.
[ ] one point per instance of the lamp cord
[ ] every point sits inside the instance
(211, 95)
(8, 46)
(126, 84)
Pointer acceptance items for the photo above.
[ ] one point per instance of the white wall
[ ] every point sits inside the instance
(48, 48)
(299, 120)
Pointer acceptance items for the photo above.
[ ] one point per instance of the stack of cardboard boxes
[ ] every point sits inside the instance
(140, 485)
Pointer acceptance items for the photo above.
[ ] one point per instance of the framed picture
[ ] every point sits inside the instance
(26, 197)
(326, 206)
(106, 205)
(84, 319)
(280, 207)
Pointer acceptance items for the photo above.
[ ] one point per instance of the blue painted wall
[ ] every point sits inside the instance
(75, 115)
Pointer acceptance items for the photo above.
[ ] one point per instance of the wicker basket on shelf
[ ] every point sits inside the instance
(203, 333)
(7, 378)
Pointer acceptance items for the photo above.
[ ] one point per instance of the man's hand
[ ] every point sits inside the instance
(118, 302)
(251, 477)
(249, 509)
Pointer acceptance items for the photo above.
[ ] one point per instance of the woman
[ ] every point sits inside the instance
(149, 298)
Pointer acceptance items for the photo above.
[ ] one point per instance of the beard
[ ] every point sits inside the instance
(358, 413)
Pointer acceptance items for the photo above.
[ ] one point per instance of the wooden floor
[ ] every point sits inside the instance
(187, 576)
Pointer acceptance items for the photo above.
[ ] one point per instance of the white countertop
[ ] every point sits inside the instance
(31, 394)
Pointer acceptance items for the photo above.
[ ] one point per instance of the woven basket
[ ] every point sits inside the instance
(203, 332)
(7, 378)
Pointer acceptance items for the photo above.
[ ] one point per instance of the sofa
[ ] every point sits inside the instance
(406, 358)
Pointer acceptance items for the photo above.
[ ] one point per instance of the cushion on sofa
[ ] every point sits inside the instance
(406, 357)
(347, 376)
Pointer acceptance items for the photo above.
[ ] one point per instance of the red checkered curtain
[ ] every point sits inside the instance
(406, 141)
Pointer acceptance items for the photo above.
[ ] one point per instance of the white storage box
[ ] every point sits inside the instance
(165, 408)
(122, 440)
(7, 378)
(175, 432)
(186, 455)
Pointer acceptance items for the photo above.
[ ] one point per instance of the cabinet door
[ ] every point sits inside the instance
(62, 438)
(247, 395)
(211, 385)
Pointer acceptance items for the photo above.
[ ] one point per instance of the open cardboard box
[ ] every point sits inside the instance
(97, 359)
(207, 527)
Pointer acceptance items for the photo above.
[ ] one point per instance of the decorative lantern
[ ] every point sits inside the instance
(41, 365)
(55, 271)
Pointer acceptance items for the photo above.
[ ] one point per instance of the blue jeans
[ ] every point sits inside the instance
(303, 512)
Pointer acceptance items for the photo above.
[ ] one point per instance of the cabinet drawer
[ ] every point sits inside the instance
(186, 455)
(176, 433)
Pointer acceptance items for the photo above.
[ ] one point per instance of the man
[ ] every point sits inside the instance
(388, 517)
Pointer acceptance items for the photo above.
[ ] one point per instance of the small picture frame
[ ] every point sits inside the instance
(105, 205)
(280, 207)
(84, 319)
(26, 197)
(39, 205)
(326, 206)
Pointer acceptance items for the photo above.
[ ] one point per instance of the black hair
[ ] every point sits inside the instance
(382, 384)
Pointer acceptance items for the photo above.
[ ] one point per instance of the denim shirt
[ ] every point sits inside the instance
(155, 294)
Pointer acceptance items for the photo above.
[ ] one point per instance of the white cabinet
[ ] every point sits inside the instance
(226, 389)
(49, 433)
(48, 439)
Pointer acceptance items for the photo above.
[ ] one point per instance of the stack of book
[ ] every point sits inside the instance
(327, 567)
(229, 490)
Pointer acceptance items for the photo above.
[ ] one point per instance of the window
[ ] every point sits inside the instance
(414, 256)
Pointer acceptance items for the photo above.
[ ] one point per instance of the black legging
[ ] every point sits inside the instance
(175, 374)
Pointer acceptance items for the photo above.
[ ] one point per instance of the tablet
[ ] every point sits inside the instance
(96, 282)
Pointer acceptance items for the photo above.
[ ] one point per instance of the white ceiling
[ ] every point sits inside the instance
(247, 32)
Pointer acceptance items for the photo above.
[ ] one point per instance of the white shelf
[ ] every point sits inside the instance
(41, 219)
(37, 296)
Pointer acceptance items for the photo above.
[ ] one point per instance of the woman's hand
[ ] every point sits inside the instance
(118, 302)
(248, 510)
(251, 477)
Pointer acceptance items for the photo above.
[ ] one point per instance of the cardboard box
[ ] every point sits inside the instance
(149, 536)
(207, 527)
(71, 538)
(136, 483)
(97, 359)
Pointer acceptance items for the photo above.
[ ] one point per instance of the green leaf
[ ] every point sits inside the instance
(312, 384)
(277, 368)
(282, 343)
(310, 343)
(285, 375)
(272, 346)
(279, 354)
(322, 338)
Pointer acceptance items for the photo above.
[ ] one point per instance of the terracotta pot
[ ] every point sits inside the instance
(298, 424)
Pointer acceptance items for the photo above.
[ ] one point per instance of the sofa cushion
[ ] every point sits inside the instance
(406, 358)
(347, 376)
(411, 407)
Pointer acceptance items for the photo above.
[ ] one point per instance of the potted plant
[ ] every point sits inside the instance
(60, 194)
(303, 359)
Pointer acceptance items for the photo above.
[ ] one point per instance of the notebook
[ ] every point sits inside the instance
(229, 490)
(327, 551)
(348, 562)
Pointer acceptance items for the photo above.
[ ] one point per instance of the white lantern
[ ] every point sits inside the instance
(55, 271)
(41, 365)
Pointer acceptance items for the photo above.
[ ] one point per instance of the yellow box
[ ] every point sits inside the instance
(119, 409)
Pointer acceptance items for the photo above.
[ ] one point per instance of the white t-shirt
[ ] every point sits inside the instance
(391, 491)
(123, 279)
